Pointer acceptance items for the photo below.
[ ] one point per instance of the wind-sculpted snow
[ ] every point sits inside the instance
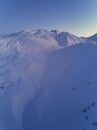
(47, 81)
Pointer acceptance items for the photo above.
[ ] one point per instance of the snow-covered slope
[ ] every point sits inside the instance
(22, 62)
(67, 99)
(34, 66)
(93, 38)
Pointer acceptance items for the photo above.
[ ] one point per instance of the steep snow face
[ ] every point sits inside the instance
(67, 99)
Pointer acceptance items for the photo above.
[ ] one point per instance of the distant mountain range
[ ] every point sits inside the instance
(48, 81)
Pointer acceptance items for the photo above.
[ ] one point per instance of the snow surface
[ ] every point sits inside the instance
(47, 81)
(93, 38)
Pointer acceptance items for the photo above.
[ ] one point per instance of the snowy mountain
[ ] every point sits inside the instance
(63, 39)
(47, 81)
(67, 39)
(93, 38)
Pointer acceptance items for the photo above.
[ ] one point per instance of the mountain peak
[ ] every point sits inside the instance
(67, 39)
(25, 31)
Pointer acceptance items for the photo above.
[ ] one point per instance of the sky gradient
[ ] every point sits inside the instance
(76, 16)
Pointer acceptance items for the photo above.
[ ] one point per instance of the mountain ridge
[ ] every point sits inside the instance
(62, 38)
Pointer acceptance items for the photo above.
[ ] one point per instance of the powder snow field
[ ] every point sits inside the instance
(48, 80)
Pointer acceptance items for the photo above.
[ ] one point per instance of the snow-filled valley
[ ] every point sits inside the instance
(48, 81)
